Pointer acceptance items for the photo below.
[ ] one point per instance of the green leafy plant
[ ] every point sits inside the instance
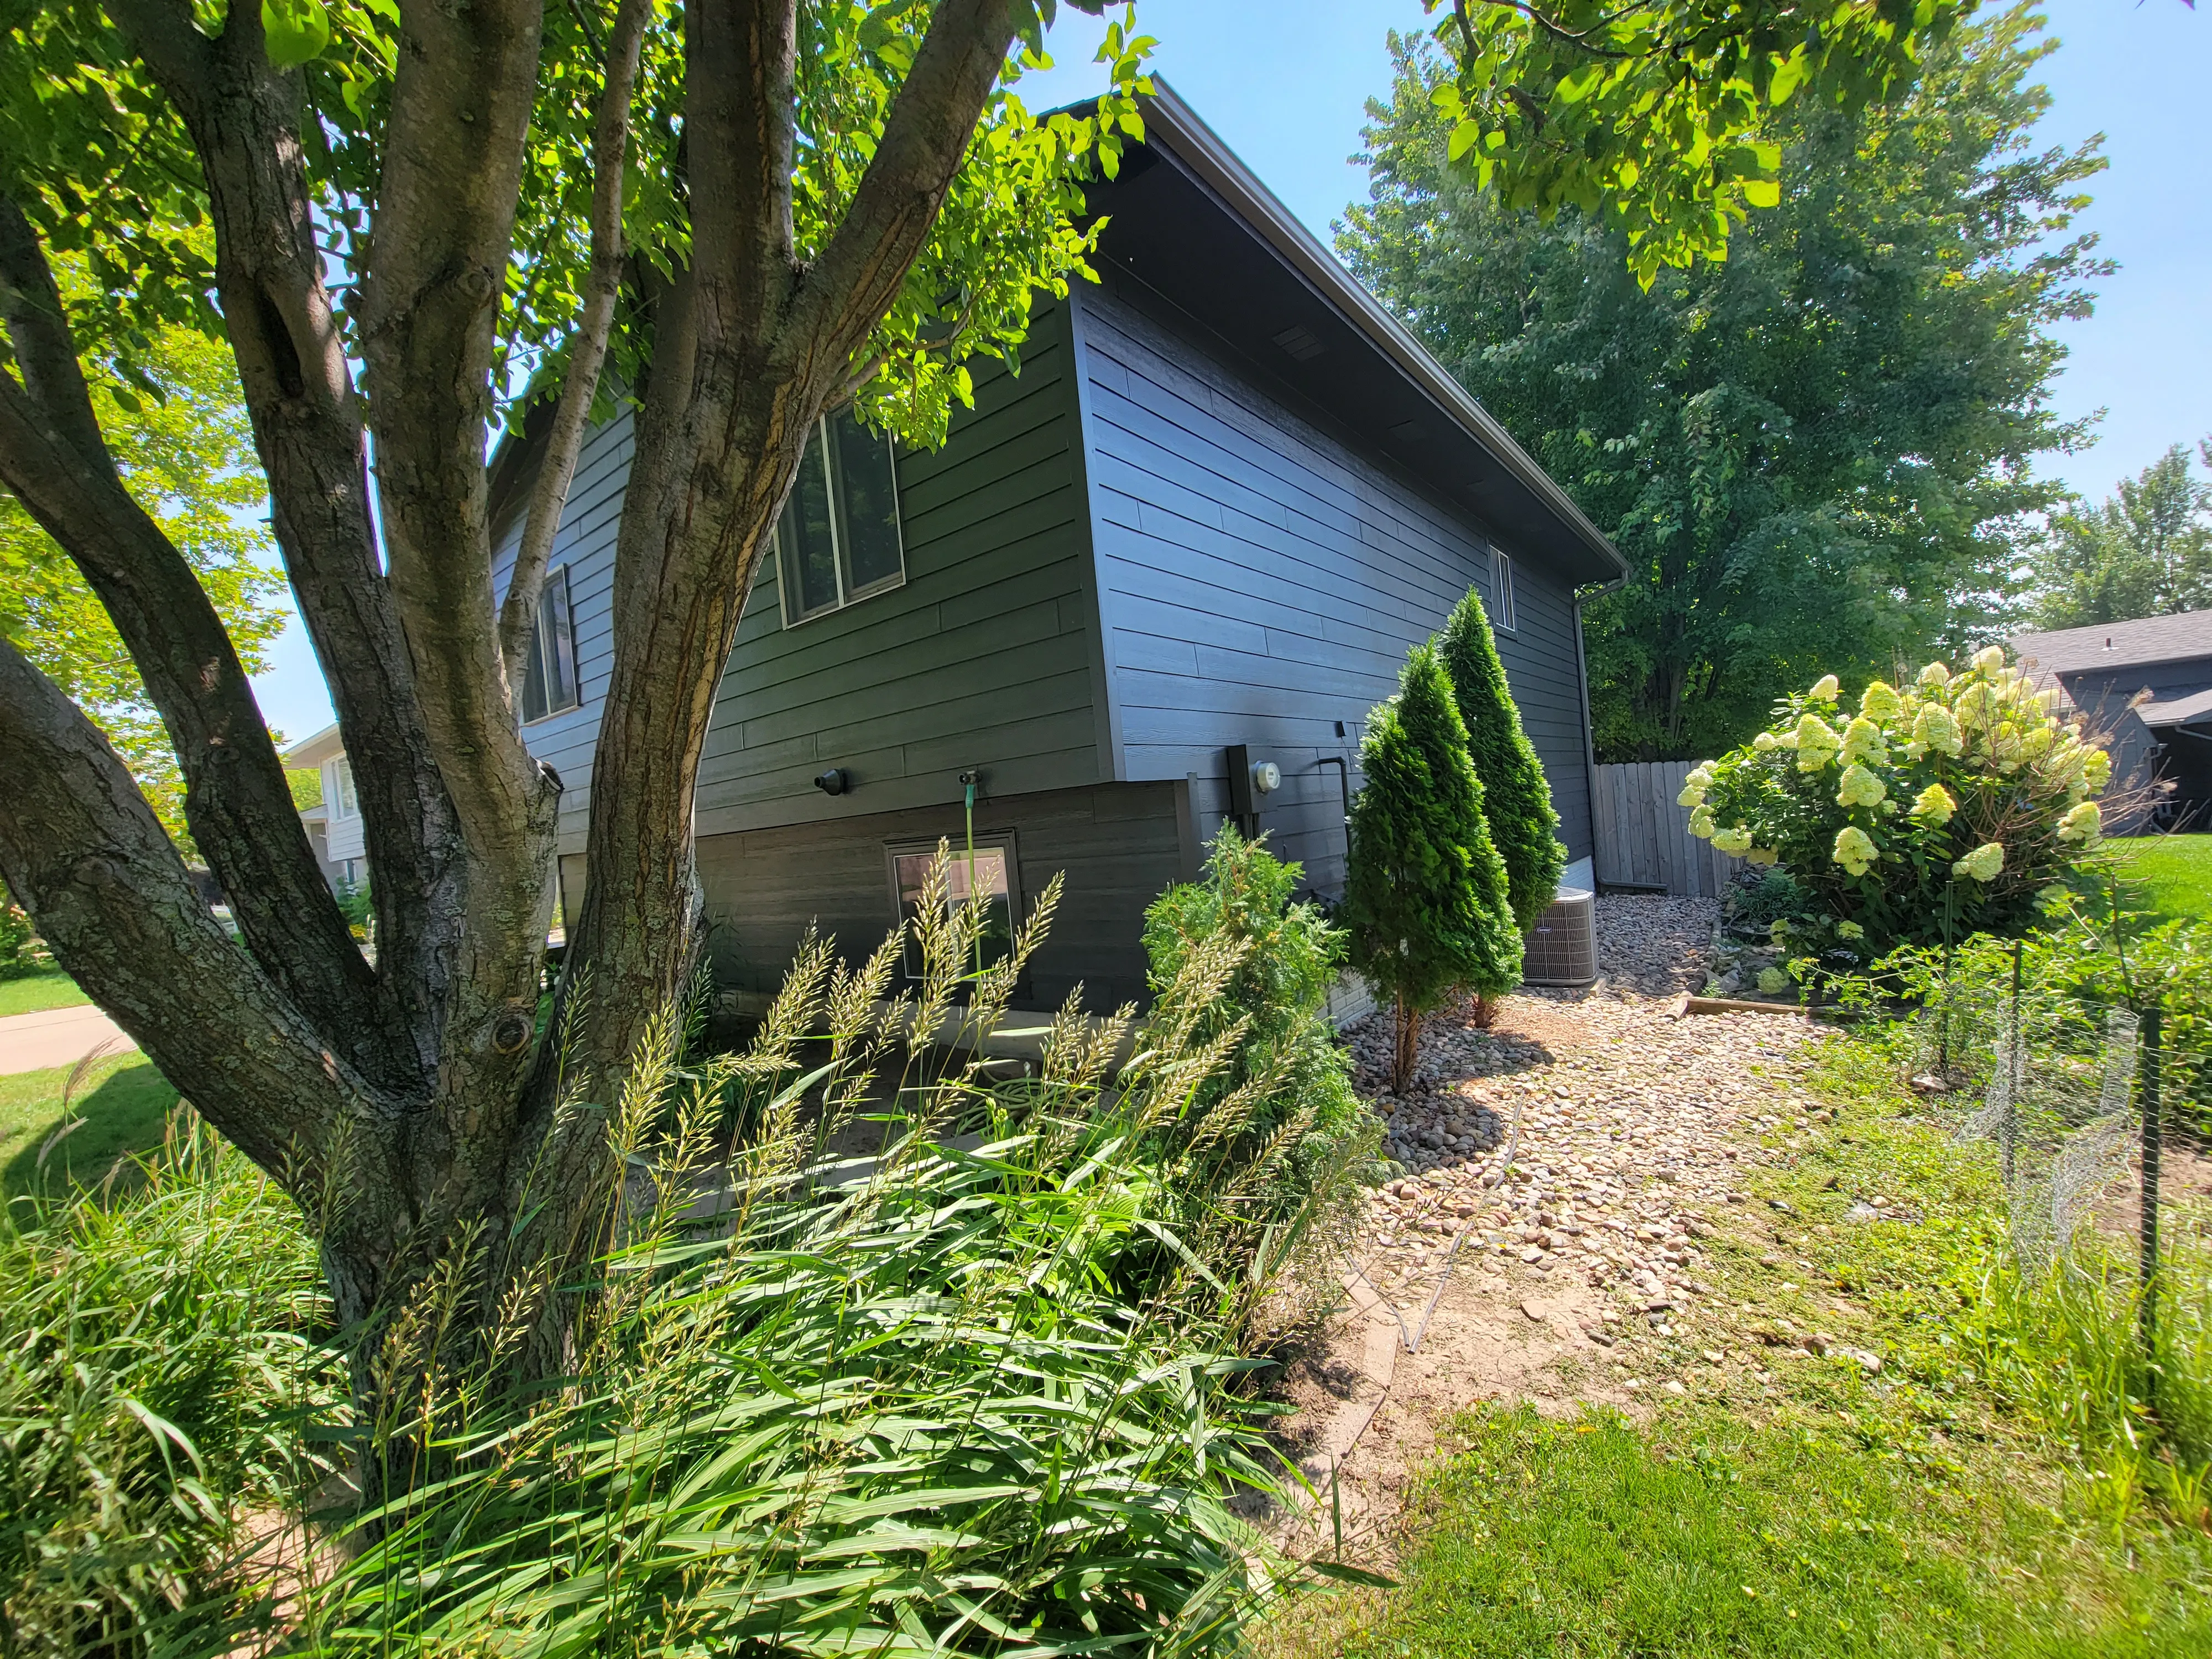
(1426, 898)
(1952, 806)
(161, 1377)
(1274, 1004)
(979, 1393)
(1517, 801)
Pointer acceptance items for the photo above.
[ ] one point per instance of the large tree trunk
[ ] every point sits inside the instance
(410, 1105)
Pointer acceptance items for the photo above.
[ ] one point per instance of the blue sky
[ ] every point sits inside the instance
(1285, 84)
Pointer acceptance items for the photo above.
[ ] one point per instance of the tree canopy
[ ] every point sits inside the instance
(1815, 455)
(2145, 550)
(1662, 119)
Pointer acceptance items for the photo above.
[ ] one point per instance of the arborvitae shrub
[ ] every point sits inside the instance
(1426, 898)
(1516, 799)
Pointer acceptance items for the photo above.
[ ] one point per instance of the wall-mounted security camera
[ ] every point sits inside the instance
(834, 781)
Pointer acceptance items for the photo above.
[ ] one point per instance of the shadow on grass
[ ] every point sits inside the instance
(122, 1103)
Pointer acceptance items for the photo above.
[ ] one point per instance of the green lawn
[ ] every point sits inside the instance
(33, 992)
(2174, 872)
(123, 1103)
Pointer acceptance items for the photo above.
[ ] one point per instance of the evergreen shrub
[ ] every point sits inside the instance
(1426, 899)
(1517, 801)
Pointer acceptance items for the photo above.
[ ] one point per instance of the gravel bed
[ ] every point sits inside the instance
(1634, 1125)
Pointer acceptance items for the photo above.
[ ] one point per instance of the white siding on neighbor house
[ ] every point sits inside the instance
(344, 828)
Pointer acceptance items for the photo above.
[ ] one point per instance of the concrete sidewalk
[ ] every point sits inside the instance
(56, 1037)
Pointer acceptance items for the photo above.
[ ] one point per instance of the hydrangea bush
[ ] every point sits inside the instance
(1947, 807)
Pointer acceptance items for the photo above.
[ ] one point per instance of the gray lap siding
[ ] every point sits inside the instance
(1261, 582)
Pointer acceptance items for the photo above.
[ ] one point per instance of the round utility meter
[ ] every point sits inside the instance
(1266, 777)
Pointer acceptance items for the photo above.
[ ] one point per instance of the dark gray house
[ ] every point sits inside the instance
(2148, 684)
(1191, 541)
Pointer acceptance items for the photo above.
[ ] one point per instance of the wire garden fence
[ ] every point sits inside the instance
(2081, 1088)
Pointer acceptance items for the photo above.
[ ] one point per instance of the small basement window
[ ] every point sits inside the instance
(1501, 591)
(838, 539)
(987, 877)
(550, 685)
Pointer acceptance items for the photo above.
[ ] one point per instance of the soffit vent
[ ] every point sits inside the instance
(1300, 343)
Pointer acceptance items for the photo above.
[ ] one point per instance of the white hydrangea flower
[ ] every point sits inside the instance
(1935, 805)
(1984, 863)
(1989, 660)
(1880, 701)
(1735, 840)
(1827, 689)
(1817, 742)
(1863, 787)
(1701, 822)
(1855, 850)
(2085, 823)
(1934, 674)
(1934, 731)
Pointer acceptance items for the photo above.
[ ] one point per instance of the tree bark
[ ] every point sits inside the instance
(409, 1105)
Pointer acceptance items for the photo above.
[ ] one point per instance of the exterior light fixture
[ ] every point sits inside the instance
(834, 781)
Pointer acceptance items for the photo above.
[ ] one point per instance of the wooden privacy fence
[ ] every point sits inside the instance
(1644, 838)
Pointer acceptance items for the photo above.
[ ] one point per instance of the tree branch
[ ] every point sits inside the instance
(852, 286)
(82, 850)
(243, 116)
(1580, 39)
(587, 354)
(52, 456)
(461, 104)
(741, 89)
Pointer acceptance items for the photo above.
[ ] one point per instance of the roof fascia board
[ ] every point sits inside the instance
(1199, 147)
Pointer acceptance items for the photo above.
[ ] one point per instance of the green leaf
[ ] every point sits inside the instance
(296, 31)
(1763, 192)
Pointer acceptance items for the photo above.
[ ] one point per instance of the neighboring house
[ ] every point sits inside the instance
(2147, 685)
(334, 824)
(1193, 538)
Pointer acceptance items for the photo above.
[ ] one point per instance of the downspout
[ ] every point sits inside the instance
(1581, 683)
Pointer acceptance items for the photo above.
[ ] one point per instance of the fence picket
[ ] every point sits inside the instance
(1643, 837)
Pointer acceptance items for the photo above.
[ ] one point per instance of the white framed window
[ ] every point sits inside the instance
(989, 877)
(839, 539)
(549, 685)
(1501, 591)
(344, 803)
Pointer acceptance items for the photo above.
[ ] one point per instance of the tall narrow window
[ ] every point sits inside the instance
(1501, 589)
(347, 804)
(838, 539)
(550, 685)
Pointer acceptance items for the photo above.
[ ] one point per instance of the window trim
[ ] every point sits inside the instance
(539, 645)
(846, 597)
(1502, 617)
(987, 841)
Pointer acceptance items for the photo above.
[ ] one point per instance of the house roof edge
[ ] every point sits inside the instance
(1203, 150)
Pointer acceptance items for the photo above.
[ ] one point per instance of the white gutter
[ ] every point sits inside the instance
(1201, 147)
